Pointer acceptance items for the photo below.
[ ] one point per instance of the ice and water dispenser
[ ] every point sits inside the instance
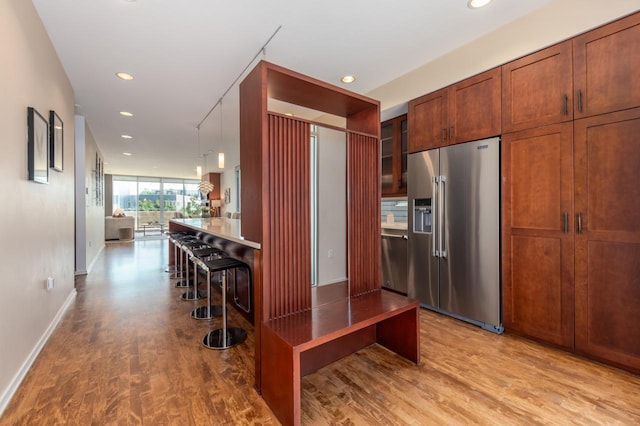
(422, 215)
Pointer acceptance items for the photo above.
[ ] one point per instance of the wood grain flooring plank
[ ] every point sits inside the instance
(128, 353)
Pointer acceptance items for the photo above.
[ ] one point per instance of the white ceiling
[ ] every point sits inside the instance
(185, 54)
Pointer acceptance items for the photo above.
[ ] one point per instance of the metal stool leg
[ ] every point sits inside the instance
(225, 337)
(208, 311)
(171, 269)
(184, 282)
(194, 294)
(175, 271)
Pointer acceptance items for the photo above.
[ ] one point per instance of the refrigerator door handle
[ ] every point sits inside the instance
(442, 202)
(435, 206)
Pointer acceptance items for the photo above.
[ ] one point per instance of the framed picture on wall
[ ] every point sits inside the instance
(56, 141)
(37, 146)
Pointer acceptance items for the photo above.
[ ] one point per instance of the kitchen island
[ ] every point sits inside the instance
(225, 234)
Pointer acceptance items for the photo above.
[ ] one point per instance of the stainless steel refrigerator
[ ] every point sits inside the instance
(454, 231)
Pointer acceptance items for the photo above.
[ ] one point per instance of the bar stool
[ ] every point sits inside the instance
(199, 257)
(187, 248)
(172, 236)
(179, 246)
(225, 337)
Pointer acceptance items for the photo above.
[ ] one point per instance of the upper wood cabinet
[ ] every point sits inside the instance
(606, 67)
(428, 121)
(466, 111)
(393, 151)
(475, 107)
(214, 178)
(537, 89)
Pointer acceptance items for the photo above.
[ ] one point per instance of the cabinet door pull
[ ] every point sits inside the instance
(450, 132)
(444, 134)
(579, 223)
(566, 222)
(566, 111)
(579, 100)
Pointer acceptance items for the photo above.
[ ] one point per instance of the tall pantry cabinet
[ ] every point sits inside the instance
(571, 198)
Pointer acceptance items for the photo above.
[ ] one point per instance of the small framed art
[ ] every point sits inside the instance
(37, 146)
(56, 141)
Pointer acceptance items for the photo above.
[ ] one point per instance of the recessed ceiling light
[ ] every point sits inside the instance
(126, 113)
(124, 76)
(288, 114)
(348, 79)
(477, 4)
(128, 154)
(126, 136)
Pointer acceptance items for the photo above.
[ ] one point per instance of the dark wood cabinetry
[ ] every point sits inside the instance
(571, 215)
(475, 107)
(214, 178)
(428, 121)
(466, 111)
(394, 156)
(538, 252)
(605, 64)
(537, 89)
(607, 240)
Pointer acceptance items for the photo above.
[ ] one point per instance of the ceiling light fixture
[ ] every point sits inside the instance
(477, 4)
(124, 76)
(348, 79)
(221, 160)
(128, 154)
(126, 136)
(126, 113)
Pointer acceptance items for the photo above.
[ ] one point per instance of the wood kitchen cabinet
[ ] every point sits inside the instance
(607, 240)
(428, 121)
(571, 235)
(214, 178)
(475, 107)
(571, 215)
(394, 156)
(537, 247)
(605, 65)
(537, 89)
(466, 111)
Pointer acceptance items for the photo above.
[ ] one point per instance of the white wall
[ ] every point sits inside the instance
(94, 214)
(556, 21)
(80, 197)
(37, 225)
(332, 206)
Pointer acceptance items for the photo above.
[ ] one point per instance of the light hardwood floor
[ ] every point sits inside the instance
(128, 353)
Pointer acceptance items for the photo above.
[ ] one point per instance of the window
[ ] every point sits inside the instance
(156, 199)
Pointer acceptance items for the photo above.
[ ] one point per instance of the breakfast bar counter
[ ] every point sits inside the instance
(229, 229)
(224, 234)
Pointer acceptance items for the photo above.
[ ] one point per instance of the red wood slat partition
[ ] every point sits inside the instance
(364, 214)
(289, 245)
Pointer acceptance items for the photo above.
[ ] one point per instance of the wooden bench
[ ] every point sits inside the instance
(299, 344)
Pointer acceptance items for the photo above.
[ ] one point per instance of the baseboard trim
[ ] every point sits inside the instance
(95, 258)
(24, 369)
